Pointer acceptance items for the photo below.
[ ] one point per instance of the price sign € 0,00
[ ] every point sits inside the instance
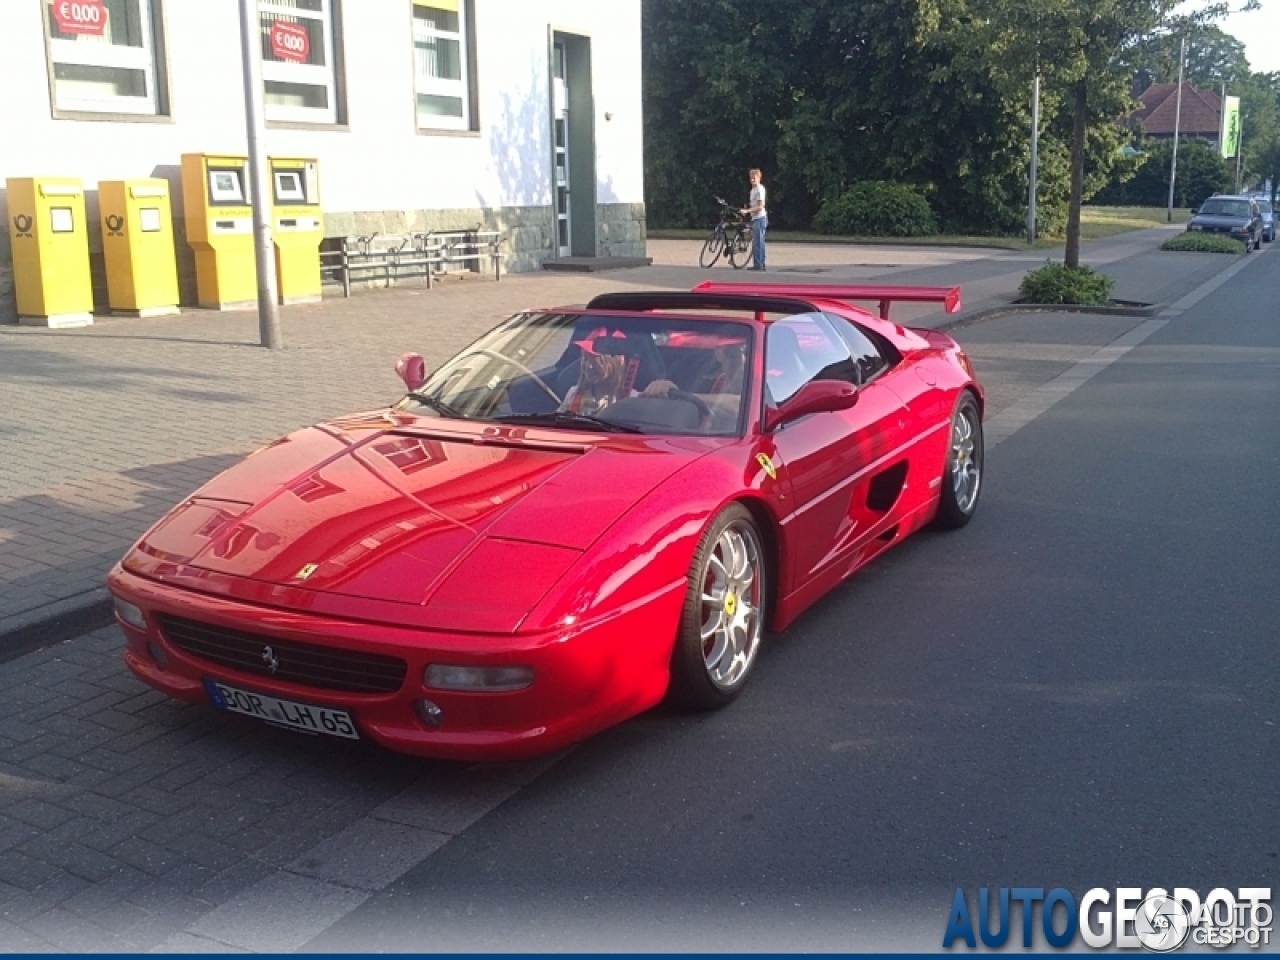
(80, 16)
(289, 42)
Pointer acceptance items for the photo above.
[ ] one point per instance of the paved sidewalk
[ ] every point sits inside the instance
(105, 428)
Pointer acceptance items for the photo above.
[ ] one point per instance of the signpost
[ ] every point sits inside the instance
(81, 16)
(289, 42)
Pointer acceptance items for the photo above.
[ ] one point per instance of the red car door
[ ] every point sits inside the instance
(829, 461)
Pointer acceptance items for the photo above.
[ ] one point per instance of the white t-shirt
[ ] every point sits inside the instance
(757, 197)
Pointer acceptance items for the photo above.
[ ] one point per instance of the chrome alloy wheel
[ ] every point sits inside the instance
(731, 592)
(966, 459)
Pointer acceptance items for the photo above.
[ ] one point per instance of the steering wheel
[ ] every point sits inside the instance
(494, 355)
(704, 412)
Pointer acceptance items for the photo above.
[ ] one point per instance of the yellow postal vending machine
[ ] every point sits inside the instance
(137, 245)
(297, 227)
(50, 241)
(215, 195)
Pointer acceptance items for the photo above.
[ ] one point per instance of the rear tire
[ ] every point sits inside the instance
(711, 250)
(740, 250)
(724, 613)
(962, 474)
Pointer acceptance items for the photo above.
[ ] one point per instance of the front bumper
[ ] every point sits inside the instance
(587, 676)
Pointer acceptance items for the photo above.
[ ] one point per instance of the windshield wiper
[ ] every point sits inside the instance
(564, 418)
(438, 405)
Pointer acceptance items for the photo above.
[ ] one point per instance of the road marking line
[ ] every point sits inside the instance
(1195, 296)
(1027, 408)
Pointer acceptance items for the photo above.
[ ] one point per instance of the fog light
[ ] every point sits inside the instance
(130, 614)
(158, 655)
(428, 712)
(444, 676)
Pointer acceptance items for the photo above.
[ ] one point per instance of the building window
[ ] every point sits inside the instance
(298, 62)
(102, 56)
(442, 64)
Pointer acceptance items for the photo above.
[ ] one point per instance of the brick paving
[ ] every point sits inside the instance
(130, 822)
(127, 818)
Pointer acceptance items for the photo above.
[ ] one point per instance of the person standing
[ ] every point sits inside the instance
(759, 217)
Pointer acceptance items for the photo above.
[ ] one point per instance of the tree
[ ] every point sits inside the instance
(1213, 57)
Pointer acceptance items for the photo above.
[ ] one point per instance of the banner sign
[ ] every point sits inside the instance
(1230, 139)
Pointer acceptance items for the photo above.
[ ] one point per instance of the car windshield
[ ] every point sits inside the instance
(1264, 206)
(611, 374)
(1226, 208)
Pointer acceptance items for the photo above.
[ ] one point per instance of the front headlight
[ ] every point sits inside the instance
(130, 613)
(445, 676)
(1194, 228)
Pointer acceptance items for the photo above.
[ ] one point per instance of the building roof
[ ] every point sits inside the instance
(1201, 113)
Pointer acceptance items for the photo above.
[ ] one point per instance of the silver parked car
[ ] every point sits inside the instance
(1268, 220)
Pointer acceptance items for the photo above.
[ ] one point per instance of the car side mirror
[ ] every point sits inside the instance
(817, 396)
(412, 370)
(1194, 211)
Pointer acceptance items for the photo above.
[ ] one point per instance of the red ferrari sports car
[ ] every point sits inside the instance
(587, 510)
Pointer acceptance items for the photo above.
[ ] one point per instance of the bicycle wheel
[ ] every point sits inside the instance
(740, 248)
(712, 249)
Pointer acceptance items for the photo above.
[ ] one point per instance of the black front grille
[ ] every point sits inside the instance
(325, 668)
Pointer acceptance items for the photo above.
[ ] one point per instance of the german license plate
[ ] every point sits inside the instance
(305, 717)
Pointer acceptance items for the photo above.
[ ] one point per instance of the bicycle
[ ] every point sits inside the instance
(735, 246)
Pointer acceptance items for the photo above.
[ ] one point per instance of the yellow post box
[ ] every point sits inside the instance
(137, 245)
(215, 196)
(297, 228)
(50, 243)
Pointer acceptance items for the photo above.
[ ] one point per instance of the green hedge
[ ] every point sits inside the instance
(1203, 243)
(876, 208)
(1054, 283)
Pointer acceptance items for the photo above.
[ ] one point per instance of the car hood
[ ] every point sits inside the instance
(408, 516)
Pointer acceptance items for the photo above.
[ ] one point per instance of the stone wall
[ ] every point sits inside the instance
(620, 230)
(528, 229)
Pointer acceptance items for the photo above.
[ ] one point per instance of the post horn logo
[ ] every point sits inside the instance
(22, 224)
(115, 224)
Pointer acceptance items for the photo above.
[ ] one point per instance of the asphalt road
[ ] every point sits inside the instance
(1080, 689)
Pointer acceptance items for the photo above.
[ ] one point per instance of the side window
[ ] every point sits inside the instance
(800, 349)
(442, 64)
(870, 359)
(105, 57)
(299, 54)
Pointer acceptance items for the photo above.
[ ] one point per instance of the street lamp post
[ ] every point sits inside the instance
(1035, 157)
(1177, 120)
(263, 248)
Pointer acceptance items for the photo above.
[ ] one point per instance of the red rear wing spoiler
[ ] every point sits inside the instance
(949, 297)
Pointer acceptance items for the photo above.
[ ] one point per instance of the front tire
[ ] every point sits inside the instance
(711, 250)
(724, 613)
(962, 475)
